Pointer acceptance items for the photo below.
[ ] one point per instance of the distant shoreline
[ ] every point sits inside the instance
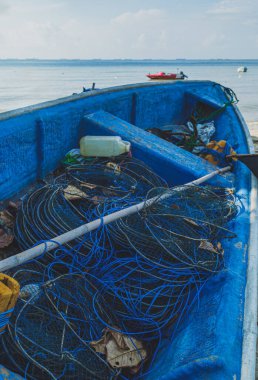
(129, 60)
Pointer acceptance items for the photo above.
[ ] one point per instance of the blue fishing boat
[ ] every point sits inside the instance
(217, 340)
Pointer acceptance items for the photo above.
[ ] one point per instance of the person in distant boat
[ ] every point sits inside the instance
(183, 74)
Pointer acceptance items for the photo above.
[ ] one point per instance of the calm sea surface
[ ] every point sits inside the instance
(28, 82)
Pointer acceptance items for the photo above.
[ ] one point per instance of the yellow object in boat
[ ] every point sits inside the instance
(217, 146)
(9, 292)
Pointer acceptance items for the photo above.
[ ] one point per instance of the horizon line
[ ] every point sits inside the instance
(129, 59)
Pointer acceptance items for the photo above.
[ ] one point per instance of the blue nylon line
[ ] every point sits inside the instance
(5, 319)
(112, 285)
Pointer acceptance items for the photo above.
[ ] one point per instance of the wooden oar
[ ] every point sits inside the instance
(249, 160)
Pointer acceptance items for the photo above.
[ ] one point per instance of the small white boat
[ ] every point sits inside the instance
(242, 69)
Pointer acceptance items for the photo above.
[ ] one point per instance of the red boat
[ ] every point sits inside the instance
(168, 76)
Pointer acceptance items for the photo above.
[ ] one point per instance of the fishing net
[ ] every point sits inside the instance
(52, 327)
(184, 225)
(60, 312)
(70, 199)
(138, 276)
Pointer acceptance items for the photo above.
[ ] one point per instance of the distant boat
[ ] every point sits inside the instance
(167, 76)
(242, 69)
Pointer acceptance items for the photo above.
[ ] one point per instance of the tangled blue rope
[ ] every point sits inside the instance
(5, 319)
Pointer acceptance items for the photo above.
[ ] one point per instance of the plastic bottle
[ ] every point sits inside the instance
(103, 146)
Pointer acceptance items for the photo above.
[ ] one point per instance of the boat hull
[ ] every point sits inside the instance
(165, 77)
(242, 69)
(214, 339)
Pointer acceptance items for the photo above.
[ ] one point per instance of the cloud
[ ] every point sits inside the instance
(232, 7)
(143, 32)
(4, 7)
(224, 8)
(141, 16)
(63, 29)
(215, 40)
(250, 22)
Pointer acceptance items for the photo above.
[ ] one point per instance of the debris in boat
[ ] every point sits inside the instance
(121, 351)
(29, 291)
(88, 185)
(196, 133)
(196, 138)
(216, 152)
(190, 136)
(6, 237)
(72, 193)
(7, 221)
(73, 157)
(190, 221)
(207, 245)
(204, 133)
(114, 166)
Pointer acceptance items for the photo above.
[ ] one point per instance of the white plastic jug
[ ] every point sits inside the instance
(103, 146)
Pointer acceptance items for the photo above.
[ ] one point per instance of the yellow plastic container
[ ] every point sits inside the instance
(9, 292)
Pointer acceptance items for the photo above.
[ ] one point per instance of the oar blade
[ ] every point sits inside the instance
(249, 160)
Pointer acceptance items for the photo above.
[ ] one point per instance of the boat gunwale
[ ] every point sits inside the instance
(248, 363)
(83, 95)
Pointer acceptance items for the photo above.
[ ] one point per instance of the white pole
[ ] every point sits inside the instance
(36, 251)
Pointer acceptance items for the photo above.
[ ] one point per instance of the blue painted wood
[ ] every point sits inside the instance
(133, 110)
(40, 148)
(156, 105)
(208, 343)
(169, 161)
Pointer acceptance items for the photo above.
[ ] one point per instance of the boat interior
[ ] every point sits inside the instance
(36, 138)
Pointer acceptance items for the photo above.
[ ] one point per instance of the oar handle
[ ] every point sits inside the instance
(242, 155)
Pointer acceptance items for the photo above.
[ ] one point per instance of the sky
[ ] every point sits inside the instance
(136, 29)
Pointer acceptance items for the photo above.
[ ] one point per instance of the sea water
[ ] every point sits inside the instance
(27, 82)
